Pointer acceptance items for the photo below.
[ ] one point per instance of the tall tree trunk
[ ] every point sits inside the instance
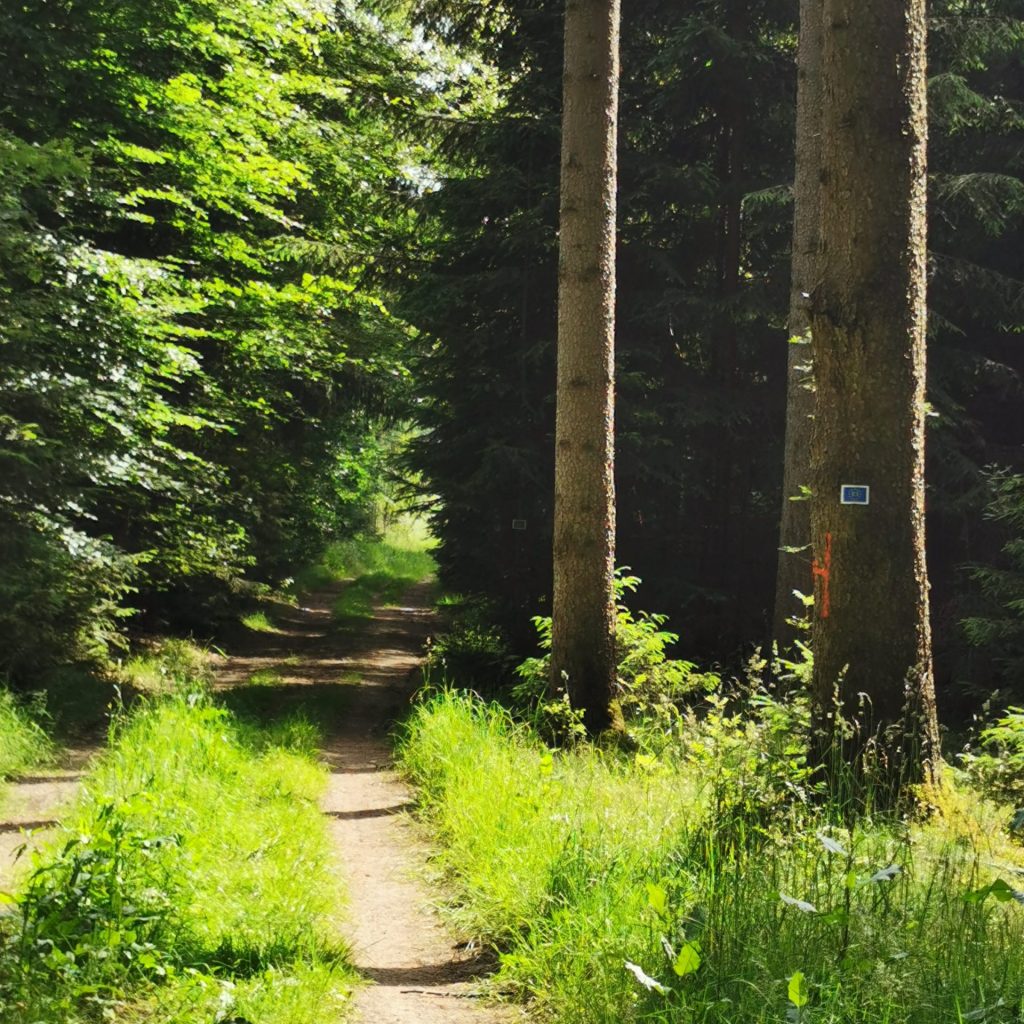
(583, 630)
(794, 566)
(872, 642)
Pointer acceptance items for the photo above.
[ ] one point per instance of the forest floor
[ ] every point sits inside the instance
(356, 683)
(32, 807)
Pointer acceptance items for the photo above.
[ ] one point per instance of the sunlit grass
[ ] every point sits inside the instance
(401, 554)
(266, 677)
(374, 571)
(258, 622)
(24, 745)
(578, 861)
(165, 664)
(194, 881)
(358, 600)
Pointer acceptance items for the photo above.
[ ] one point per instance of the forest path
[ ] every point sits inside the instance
(418, 972)
(31, 808)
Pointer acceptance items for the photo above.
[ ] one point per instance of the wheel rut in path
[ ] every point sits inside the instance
(418, 972)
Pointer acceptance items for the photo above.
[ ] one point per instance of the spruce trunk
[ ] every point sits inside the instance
(871, 637)
(794, 565)
(583, 628)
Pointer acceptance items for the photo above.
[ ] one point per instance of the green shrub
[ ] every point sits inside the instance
(650, 683)
(62, 595)
(997, 767)
(470, 651)
(94, 917)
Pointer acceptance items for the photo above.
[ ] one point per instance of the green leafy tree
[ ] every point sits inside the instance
(197, 354)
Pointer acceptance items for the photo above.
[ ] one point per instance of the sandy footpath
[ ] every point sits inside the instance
(418, 972)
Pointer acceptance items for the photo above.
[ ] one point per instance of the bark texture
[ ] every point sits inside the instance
(583, 628)
(872, 642)
(794, 567)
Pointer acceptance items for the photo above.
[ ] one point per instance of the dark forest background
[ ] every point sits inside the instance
(708, 107)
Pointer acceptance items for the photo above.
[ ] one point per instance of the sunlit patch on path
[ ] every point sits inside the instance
(31, 810)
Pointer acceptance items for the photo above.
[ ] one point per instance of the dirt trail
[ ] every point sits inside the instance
(419, 973)
(31, 808)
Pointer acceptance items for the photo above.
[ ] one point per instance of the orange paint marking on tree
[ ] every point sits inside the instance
(823, 569)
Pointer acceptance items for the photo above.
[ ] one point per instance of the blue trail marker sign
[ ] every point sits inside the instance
(854, 494)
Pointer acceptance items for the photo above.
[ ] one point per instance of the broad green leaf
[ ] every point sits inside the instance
(688, 960)
(797, 990)
(657, 897)
(998, 890)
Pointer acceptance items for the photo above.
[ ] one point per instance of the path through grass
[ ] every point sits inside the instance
(193, 882)
(377, 570)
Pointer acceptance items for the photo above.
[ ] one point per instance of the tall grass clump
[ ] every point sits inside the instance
(192, 883)
(696, 881)
(165, 665)
(23, 742)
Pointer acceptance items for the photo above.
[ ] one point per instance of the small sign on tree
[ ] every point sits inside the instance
(854, 494)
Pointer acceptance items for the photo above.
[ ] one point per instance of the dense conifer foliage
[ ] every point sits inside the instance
(976, 192)
(704, 147)
(706, 166)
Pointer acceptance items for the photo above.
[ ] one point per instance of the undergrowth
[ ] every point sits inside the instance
(192, 884)
(694, 880)
(164, 665)
(24, 744)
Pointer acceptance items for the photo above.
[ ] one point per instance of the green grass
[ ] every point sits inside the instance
(357, 601)
(193, 882)
(401, 553)
(164, 665)
(266, 677)
(258, 622)
(24, 745)
(376, 570)
(576, 862)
